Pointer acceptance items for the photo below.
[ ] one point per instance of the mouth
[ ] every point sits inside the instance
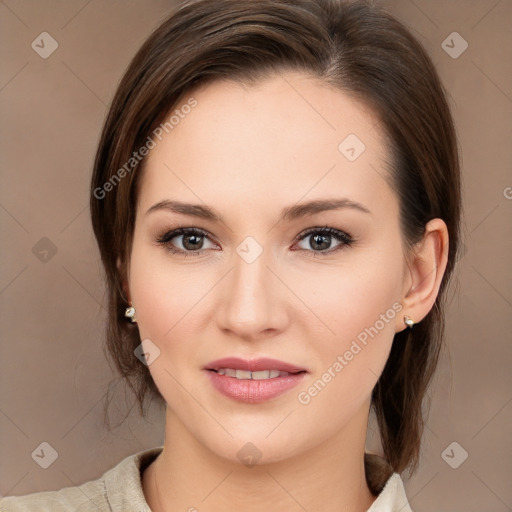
(252, 366)
(253, 381)
(257, 375)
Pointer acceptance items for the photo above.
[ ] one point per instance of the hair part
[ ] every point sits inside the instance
(356, 47)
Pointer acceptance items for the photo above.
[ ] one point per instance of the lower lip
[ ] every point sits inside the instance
(253, 391)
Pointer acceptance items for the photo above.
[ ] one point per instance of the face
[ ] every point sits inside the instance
(258, 275)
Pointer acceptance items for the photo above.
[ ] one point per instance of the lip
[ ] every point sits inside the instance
(254, 365)
(253, 391)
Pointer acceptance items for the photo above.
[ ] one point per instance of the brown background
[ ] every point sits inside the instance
(52, 369)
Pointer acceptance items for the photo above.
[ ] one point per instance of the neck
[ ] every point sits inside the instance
(188, 476)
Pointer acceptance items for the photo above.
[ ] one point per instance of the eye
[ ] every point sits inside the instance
(192, 241)
(319, 239)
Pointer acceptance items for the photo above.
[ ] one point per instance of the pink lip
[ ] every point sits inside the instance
(253, 391)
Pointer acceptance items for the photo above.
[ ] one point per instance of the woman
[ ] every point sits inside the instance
(276, 202)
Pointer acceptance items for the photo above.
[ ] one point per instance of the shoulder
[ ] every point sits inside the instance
(91, 495)
(118, 489)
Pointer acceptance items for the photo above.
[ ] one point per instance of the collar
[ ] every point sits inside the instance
(124, 492)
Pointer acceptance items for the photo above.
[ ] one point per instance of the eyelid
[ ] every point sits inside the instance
(325, 229)
(172, 233)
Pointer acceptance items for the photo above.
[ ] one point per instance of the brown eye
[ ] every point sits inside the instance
(319, 240)
(186, 241)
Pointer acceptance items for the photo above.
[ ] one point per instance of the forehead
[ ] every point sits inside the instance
(289, 135)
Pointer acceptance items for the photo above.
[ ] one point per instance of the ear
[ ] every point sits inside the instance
(424, 272)
(123, 273)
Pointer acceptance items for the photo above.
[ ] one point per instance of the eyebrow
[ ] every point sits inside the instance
(289, 213)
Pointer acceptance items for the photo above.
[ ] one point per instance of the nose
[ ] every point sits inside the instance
(251, 303)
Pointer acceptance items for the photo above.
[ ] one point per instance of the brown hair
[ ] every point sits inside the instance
(355, 46)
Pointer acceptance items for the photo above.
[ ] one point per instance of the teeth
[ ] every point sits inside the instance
(244, 374)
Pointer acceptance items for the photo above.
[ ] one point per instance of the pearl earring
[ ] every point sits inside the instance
(408, 321)
(130, 313)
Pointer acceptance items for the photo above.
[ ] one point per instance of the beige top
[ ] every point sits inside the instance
(120, 490)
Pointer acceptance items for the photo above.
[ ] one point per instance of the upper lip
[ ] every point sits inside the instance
(253, 365)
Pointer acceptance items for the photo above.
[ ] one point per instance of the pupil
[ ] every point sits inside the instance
(325, 239)
(195, 244)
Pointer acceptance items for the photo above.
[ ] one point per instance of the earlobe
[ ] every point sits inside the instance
(427, 265)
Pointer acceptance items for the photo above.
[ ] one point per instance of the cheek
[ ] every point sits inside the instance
(349, 299)
(358, 307)
(164, 294)
(168, 304)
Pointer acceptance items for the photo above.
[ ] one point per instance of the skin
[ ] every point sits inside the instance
(248, 152)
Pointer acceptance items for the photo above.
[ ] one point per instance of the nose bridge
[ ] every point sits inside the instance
(251, 303)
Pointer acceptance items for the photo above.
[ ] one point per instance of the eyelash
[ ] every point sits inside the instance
(345, 239)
